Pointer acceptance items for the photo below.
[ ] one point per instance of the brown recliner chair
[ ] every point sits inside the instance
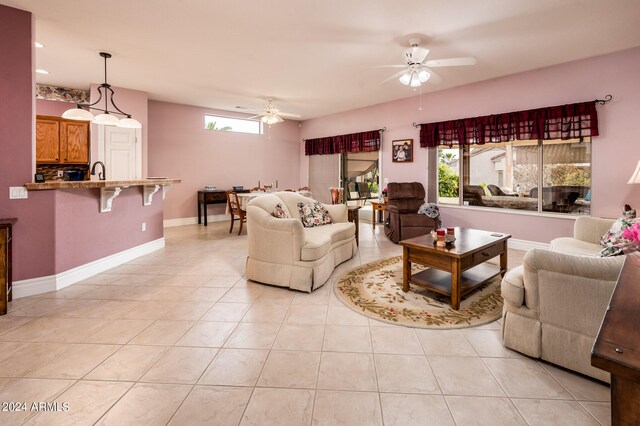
(404, 200)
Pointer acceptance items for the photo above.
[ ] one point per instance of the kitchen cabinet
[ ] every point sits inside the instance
(60, 141)
(47, 140)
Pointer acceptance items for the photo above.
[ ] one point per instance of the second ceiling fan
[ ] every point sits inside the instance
(272, 115)
(416, 67)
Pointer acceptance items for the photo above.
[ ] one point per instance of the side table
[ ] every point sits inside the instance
(617, 345)
(6, 289)
(377, 206)
(353, 217)
(212, 197)
(209, 197)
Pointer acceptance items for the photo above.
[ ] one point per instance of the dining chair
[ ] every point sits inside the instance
(234, 210)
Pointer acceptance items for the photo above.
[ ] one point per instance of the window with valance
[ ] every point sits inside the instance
(535, 160)
(353, 142)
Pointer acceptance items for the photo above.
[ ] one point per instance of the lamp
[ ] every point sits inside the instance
(81, 112)
(635, 177)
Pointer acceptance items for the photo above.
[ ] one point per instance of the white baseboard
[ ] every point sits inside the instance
(33, 286)
(168, 223)
(526, 245)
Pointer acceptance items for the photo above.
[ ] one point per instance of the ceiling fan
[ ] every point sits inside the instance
(416, 67)
(272, 115)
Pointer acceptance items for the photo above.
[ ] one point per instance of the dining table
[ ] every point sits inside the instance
(244, 199)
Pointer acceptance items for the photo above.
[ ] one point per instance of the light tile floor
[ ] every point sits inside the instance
(179, 336)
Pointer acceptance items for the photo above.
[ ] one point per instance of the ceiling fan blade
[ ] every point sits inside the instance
(451, 62)
(420, 54)
(434, 77)
(289, 115)
(415, 55)
(255, 116)
(396, 75)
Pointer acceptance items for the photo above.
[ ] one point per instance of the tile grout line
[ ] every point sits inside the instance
(375, 373)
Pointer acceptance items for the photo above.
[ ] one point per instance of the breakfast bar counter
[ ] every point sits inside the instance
(83, 184)
(110, 189)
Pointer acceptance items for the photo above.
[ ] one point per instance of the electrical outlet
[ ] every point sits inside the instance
(60, 173)
(18, 192)
(144, 226)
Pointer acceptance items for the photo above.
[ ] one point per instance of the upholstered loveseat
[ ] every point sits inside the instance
(284, 253)
(554, 303)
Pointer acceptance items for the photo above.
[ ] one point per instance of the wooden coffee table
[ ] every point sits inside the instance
(457, 269)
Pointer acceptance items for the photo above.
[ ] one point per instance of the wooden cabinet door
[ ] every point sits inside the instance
(74, 142)
(47, 140)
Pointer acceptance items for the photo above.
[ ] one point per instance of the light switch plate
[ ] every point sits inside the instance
(18, 192)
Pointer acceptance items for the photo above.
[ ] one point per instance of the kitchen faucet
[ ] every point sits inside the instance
(101, 175)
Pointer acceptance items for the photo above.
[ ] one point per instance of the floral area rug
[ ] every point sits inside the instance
(375, 290)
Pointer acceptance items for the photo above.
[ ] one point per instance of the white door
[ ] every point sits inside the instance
(122, 153)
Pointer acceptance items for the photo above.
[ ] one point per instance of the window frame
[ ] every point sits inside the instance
(259, 122)
(540, 181)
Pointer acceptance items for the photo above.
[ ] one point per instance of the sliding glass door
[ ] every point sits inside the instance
(360, 177)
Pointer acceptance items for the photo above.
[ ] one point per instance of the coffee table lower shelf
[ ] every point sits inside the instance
(440, 281)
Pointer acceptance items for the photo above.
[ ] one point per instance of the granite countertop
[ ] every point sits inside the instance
(83, 184)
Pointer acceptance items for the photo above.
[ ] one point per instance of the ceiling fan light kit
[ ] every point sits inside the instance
(272, 115)
(81, 112)
(417, 67)
(271, 119)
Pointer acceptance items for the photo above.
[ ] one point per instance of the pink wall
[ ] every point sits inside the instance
(56, 230)
(52, 108)
(131, 101)
(615, 152)
(33, 234)
(83, 234)
(180, 146)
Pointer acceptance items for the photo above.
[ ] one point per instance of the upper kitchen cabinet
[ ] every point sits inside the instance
(47, 140)
(74, 142)
(60, 141)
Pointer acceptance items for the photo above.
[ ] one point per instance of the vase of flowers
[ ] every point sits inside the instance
(384, 195)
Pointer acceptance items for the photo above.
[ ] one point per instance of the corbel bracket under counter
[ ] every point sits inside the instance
(110, 189)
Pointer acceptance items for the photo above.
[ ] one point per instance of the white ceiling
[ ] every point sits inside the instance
(311, 57)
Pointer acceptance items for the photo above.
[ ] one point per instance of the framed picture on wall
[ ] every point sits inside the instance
(402, 150)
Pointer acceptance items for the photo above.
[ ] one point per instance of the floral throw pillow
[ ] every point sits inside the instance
(313, 214)
(280, 212)
(614, 243)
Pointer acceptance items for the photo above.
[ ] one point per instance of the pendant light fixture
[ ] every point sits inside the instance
(81, 112)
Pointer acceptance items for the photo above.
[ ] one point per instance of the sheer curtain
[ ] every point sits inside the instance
(324, 172)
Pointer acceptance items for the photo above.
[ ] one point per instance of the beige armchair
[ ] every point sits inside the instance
(554, 303)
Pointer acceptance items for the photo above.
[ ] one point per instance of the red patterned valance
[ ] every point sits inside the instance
(557, 122)
(353, 142)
